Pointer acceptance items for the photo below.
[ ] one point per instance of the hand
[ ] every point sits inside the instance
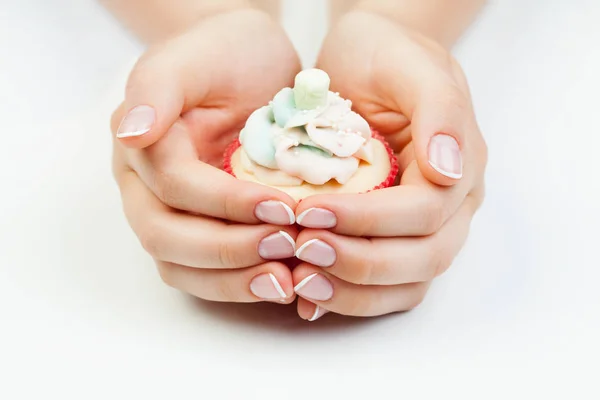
(210, 234)
(385, 247)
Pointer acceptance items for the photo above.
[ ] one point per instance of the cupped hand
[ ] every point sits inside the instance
(186, 100)
(376, 253)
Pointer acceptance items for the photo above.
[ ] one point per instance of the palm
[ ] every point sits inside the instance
(371, 102)
(366, 72)
(250, 74)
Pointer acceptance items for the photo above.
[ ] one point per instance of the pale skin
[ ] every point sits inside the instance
(209, 64)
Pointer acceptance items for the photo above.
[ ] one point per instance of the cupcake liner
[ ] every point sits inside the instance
(389, 181)
(391, 178)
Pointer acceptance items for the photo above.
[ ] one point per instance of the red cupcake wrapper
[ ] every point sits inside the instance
(389, 181)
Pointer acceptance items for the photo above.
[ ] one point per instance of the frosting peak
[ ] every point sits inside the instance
(307, 133)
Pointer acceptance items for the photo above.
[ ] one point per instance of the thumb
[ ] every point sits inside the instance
(154, 99)
(441, 116)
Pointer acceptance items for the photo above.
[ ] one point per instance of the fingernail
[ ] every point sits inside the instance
(274, 212)
(316, 252)
(276, 246)
(137, 122)
(445, 157)
(267, 287)
(317, 218)
(319, 312)
(315, 287)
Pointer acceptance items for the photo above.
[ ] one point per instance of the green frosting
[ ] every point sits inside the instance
(320, 152)
(311, 88)
(284, 106)
(256, 137)
(293, 107)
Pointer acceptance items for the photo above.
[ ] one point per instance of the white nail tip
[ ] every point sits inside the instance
(304, 282)
(277, 286)
(443, 172)
(304, 246)
(132, 134)
(303, 214)
(291, 216)
(290, 213)
(316, 314)
(289, 239)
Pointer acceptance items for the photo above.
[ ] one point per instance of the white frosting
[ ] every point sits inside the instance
(284, 145)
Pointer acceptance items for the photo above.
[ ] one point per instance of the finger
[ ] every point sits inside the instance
(439, 126)
(267, 282)
(436, 99)
(309, 311)
(336, 295)
(194, 69)
(166, 82)
(170, 168)
(155, 96)
(197, 241)
(387, 261)
(415, 208)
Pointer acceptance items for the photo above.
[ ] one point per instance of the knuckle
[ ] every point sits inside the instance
(166, 185)
(436, 266)
(227, 256)
(230, 204)
(358, 306)
(457, 72)
(440, 262)
(364, 221)
(416, 298)
(368, 269)
(439, 268)
(363, 272)
(151, 239)
(166, 273)
(432, 261)
(226, 291)
(140, 75)
(432, 218)
(451, 97)
(455, 97)
(438, 256)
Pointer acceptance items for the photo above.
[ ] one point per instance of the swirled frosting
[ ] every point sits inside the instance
(306, 134)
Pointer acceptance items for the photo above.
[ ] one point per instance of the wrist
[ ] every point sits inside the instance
(439, 20)
(406, 22)
(154, 21)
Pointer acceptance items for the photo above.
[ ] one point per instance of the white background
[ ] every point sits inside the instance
(84, 315)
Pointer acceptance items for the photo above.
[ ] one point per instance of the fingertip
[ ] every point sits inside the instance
(272, 206)
(281, 273)
(141, 127)
(301, 271)
(154, 100)
(140, 141)
(311, 213)
(440, 159)
(272, 281)
(309, 311)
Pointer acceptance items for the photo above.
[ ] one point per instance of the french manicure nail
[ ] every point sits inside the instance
(276, 246)
(315, 287)
(316, 252)
(444, 156)
(137, 122)
(317, 218)
(267, 287)
(275, 212)
(319, 312)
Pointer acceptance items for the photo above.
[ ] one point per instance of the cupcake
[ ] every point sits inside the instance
(308, 141)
